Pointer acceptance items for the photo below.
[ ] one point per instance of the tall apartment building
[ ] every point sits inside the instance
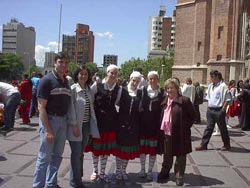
(161, 34)
(211, 35)
(18, 39)
(172, 40)
(84, 49)
(110, 59)
(49, 59)
(80, 47)
(68, 45)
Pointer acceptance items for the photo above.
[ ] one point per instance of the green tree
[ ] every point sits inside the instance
(92, 68)
(128, 67)
(32, 69)
(72, 68)
(11, 66)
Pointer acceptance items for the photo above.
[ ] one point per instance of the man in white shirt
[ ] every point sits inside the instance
(188, 90)
(10, 97)
(218, 97)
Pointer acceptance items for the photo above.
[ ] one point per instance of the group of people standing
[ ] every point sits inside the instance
(107, 119)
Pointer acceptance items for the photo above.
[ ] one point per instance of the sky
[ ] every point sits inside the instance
(120, 26)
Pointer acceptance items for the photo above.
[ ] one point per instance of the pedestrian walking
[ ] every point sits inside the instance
(244, 99)
(188, 90)
(234, 107)
(25, 90)
(218, 97)
(33, 106)
(198, 100)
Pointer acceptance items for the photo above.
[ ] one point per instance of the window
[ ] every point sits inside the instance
(220, 30)
(199, 46)
(219, 57)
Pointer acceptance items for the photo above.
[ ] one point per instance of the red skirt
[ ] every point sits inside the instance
(105, 145)
(128, 152)
(148, 145)
(234, 110)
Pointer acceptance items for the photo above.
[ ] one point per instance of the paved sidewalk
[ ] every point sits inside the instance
(211, 168)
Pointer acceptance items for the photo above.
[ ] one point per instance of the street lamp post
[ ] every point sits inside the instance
(162, 72)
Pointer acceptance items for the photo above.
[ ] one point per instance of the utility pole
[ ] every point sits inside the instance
(60, 20)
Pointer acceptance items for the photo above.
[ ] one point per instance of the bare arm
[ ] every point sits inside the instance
(42, 103)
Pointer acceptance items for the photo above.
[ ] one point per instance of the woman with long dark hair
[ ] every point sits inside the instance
(84, 124)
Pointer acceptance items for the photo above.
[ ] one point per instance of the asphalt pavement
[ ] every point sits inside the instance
(210, 168)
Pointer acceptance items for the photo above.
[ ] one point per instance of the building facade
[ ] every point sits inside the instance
(18, 39)
(68, 45)
(210, 35)
(108, 60)
(80, 47)
(49, 62)
(84, 46)
(161, 34)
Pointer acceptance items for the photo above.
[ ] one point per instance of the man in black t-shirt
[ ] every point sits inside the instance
(53, 103)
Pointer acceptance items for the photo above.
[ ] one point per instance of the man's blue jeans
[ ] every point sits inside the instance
(76, 159)
(50, 155)
(10, 110)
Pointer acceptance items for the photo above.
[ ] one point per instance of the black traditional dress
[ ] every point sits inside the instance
(107, 120)
(150, 122)
(128, 137)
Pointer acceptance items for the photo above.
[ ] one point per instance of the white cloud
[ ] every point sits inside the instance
(53, 46)
(40, 51)
(107, 34)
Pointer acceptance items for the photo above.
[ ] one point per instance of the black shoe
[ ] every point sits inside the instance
(162, 176)
(6, 129)
(200, 148)
(179, 182)
(226, 148)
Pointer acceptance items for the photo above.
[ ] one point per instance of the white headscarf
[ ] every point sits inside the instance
(112, 66)
(150, 73)
(135, 74)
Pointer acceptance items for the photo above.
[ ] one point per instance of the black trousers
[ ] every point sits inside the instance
(180, 161)
(197, 113)
(215, 116)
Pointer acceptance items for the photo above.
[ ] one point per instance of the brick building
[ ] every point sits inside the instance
(211, 35)
(80, 46)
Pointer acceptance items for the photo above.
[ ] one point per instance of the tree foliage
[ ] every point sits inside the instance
(92, 68)
(11, 66)
(128, 67)
(90, 65)
(32, 69)
(163, 65)
(72, 68)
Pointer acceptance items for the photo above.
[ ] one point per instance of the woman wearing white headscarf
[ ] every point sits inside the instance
(105, 96)
(128, 137)
(150, 123)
